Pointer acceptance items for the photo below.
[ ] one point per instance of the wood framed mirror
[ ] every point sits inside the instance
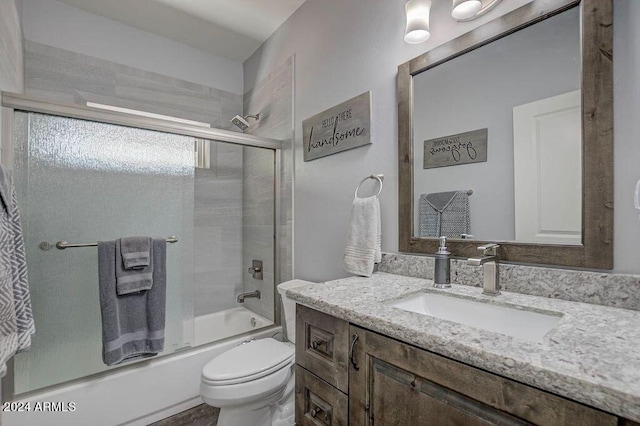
(593, 246)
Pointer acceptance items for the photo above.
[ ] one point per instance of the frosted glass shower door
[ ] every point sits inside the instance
(82, 181)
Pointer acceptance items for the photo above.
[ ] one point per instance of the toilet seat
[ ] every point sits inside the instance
(247, 362)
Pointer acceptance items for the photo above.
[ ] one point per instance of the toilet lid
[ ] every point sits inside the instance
(249, 361)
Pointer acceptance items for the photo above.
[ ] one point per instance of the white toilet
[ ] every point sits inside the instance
(253, 383)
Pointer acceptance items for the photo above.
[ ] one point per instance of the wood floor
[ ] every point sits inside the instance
(202, 415)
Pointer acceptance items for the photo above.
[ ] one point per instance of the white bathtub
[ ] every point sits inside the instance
(135, 396)
(220, 325)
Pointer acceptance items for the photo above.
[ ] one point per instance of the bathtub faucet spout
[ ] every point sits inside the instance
(242, 296)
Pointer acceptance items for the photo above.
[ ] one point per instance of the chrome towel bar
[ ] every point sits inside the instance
(61, 245)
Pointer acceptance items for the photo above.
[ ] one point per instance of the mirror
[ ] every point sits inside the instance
(505, 135)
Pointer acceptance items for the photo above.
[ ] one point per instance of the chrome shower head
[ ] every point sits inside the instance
(242, 122)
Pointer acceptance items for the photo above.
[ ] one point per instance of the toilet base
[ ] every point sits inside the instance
(275, 410)
(240, 416)
(283, 413)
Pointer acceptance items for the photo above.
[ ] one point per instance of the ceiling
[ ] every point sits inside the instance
(233, 29)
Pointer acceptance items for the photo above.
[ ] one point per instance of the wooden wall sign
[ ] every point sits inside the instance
(463, 148)
(345, 126)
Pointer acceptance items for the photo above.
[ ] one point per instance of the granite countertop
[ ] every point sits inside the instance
(592, 355)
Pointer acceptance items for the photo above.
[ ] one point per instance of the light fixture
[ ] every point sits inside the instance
(467, 10)
(417, 21)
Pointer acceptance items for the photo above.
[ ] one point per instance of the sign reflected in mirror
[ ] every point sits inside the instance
(524, 92)
(452, 150)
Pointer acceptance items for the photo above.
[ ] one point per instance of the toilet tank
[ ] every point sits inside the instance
(290, 306)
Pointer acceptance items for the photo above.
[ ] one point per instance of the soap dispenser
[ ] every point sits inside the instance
(442, 270)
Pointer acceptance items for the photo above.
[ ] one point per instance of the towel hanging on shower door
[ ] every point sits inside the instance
(16, 317)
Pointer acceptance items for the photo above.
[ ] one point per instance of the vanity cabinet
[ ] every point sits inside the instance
(347, 375)
(398, 384)
(322, 373)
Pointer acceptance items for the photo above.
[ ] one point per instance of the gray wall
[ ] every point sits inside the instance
(60, 75)
(65, 76)
(11, 60)
(479, 90)
(272, 97)
(626, 106)
(11, 64)
(257, 226)
(218, 230)
(57, 24)
(339, 55)
(71, 76)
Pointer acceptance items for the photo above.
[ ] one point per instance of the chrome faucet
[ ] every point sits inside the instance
(489, 262)
(242, 296)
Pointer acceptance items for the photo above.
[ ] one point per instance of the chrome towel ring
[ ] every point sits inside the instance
(380, 178)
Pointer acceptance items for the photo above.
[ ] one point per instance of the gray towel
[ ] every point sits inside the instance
(135, 252)
(132, 325)
(16, 317)
(363, 248)
(444, 214)
(132, 280)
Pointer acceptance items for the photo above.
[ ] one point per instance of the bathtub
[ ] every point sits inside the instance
(232, 322)
(134, 396)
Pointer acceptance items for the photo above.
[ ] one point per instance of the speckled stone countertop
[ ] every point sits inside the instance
(592, 355)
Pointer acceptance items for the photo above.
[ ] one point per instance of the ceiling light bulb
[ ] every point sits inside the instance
(465, 9)
(417, 21)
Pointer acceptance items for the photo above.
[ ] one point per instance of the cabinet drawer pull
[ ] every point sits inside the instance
(316, 344)
(318, 413)
(353, 344)
(319, 409)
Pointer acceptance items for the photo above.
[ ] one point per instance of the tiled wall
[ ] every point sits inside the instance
(11, 65)
(218, 230)
(63, 76)
(257, 226)
(222, 251)
(272, 97)
(616, 290)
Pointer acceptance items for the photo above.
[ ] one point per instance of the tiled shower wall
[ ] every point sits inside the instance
(218, 231)
(63, 76)
(272, 97)
(11, 64)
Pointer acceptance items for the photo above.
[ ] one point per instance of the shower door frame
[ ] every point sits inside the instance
(16, 102)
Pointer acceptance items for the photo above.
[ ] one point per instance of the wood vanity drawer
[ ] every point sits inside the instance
(318, 403)
(396, 383)
(322, 346)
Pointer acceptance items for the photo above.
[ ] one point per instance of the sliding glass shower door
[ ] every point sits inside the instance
(82, 182)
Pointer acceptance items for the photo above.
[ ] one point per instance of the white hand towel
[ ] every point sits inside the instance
(363, 247)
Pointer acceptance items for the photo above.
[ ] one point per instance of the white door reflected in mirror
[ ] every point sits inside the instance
(547, 156)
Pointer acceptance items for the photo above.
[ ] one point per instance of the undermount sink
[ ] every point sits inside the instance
(519, 323)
